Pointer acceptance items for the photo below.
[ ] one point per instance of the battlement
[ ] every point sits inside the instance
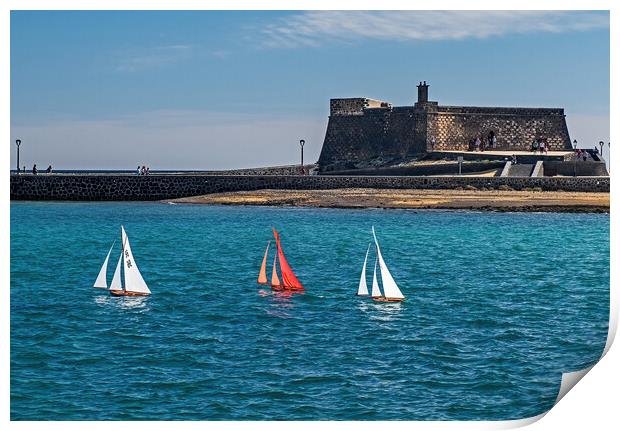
(498, 110)
(355, 105)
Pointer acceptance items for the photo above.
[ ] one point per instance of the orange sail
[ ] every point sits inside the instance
(289, 281)
(262, 275)
(275, 281)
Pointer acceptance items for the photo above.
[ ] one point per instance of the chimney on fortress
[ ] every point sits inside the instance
(422, 92)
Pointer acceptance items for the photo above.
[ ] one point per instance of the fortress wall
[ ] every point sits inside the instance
(88, 187)
(375, 132)
(514, 128)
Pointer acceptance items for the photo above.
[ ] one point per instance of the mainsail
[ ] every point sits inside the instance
(376, 292)
(275, 281)
(363, 288)
(262, 275)
(133, 279)
(101, 280)
(289, 280)
(390, 288)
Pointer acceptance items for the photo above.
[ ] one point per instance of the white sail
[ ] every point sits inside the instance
(376, 292)
(116, 279)
(133, 279)
(102, 280)
(390, 288)
(363, 288)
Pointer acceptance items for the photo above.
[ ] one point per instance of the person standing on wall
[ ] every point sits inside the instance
(34, 169)
(540, 145)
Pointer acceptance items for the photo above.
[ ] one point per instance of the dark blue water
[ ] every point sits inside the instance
(499, 304)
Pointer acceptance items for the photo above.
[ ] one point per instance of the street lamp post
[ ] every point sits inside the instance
(301, 144)
(575, 158)
(18, 142)
(601, 143)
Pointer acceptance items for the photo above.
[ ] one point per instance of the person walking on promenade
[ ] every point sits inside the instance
(49, 169)
(148, 171)
(138, 170)
(534, 146)
(34, 169)
(143, 170)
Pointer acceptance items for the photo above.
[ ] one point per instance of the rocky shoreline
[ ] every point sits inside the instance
(478, 200)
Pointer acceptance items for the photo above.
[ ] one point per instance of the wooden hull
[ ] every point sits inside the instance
(281, 288)
(383, 299)
(127, 293)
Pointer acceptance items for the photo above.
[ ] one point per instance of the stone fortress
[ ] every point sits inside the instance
(362, 129)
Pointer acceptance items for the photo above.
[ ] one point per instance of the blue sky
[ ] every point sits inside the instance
(214, 90)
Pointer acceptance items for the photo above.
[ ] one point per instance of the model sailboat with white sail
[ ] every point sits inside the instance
(127, 269)
(391, 291)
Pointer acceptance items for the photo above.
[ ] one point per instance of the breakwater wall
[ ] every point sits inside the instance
(89, 187)
(269, 170)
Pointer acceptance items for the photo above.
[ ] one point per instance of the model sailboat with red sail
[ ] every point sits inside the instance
(289, 279)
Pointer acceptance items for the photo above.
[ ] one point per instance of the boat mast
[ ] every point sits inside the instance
(123, 258)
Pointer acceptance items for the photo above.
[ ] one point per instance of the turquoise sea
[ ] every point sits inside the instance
(498, 305)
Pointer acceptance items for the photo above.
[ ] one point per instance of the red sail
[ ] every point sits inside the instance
(289, 281)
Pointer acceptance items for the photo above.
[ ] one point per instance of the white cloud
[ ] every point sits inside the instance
(152, 57)
(313, 28)
(170, 140)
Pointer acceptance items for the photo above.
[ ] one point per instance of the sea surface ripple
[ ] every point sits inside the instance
(498, 306)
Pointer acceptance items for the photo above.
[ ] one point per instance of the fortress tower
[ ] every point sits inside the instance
(362, 129)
